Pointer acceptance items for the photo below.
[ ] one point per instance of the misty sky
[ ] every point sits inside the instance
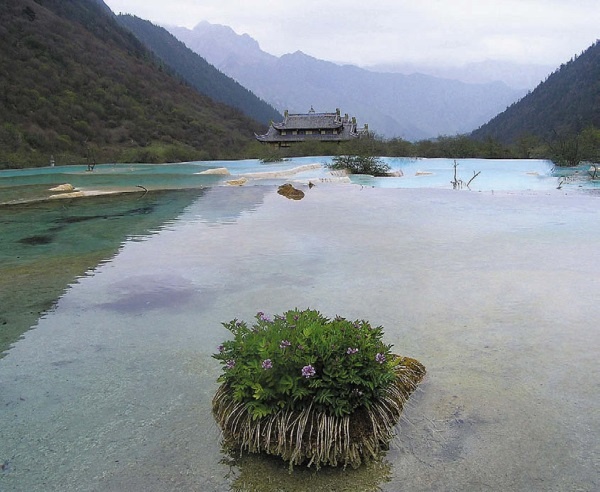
(428, 32)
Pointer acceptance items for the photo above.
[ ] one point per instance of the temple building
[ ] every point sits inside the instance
(312, 126)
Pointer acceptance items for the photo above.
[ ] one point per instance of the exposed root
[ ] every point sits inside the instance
(315, 438)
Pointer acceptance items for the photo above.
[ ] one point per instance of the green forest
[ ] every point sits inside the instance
(568, 150)
(77, 86)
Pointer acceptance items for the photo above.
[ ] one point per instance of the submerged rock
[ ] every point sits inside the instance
(288, 191)
(63, 187)
(73, 194)
(37, 240)
(237, 182)
(217, 170)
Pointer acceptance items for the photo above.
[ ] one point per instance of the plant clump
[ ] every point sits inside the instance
(311, 390)
(360, 164)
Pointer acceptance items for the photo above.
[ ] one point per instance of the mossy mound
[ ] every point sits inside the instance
(310, 437)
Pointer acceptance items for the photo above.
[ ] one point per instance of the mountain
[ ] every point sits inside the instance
(197, 71)
(221, 46)
(515, 75)
(394, 105)
(567, 102)
(76, 85)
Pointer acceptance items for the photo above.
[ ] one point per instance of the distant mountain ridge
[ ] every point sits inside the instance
(197, 71)
(516, 75)
(566, 103)
(394, 105)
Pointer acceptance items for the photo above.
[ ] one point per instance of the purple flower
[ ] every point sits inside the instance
(230, 364)
(351, 350)
(264, 317)
(380, 358)
(267, 364)
(220, 348)
(284, 344)
(308, 371)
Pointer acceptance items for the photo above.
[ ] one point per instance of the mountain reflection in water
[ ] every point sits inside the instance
(46, 246)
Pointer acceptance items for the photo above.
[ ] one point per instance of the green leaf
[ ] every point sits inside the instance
(258, 391)
(286, 384)
(258, 410)
(324, 396)
(300, 392)
(308, 331)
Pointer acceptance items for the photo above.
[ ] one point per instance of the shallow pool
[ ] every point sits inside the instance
(495, 292)
(469, 174)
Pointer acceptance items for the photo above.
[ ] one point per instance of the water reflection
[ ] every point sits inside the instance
(261, 473)
(222, 207)
(46, 246)
(495, 293)
(146, 292)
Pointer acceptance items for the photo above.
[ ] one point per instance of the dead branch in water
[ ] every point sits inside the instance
(475, 174)
(145, 190)
(457, 183)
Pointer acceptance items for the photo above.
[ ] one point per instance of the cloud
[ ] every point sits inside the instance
(427, 31)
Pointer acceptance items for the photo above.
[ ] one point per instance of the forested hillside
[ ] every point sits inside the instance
(76, 85)
(566, 103)
(197, 71)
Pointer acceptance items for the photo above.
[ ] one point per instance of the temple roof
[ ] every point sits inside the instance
(274, 135)
(310, 121)
(312, 126)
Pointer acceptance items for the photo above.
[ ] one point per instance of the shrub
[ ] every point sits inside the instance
(360, 164)
(305, 387)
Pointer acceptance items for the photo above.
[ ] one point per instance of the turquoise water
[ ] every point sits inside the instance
(35, 184)
(494, 175)
(498, 175)
(46, 246)
(494, 291)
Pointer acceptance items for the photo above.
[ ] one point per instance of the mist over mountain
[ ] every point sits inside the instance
(515, 75)
(221, 46)
(412, 107)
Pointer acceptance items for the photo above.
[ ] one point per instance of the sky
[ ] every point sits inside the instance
(370, 32)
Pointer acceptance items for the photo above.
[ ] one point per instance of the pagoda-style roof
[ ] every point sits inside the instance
(313, 121)
(311, 126)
